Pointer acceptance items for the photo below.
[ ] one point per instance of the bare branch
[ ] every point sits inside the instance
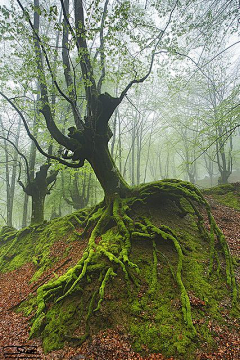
(154, 53)
(3, 218)
(199, 68)
(22, 185)
(227, 48)
(101, 48)
(196, 64)
(227, 132)
(40, 44)
(67, 70)
(19, 153)
(73, 165)
(83, 53)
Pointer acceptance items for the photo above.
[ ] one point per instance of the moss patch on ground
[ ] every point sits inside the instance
(228, 194)
(33, 244)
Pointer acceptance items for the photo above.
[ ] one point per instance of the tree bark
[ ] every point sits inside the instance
(38, 199)
(107, 173)
(25, 211)
(11, 173)
(38, 189)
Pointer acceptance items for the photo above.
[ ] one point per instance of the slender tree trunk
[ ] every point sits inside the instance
(25, 210)
(14, 174)
(167, 166)
(87, 193)
(11, 174)
(32, 162)
(133, 152)
(139, 151)
(160, 165)
(119, 144)
(7, 179)
(174, 167)
(148, 153)
(224, 165)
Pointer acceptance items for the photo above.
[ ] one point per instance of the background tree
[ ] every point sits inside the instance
(11, 164)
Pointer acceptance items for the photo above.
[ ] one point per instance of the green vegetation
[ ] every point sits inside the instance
(33, 244)
(149, 258)
(228, 194)
(146, 267)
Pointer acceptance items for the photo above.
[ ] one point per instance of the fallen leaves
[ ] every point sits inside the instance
(110, 344)
(228, 345)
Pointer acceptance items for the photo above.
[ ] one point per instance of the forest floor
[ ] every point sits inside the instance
(111, 344)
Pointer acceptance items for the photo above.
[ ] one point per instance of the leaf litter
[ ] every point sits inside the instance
(112, 344)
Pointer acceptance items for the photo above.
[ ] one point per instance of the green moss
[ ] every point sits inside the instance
(228, 194)
(107, 241)
(154, 280)
(220, 189)
(145, 268)
(7, 233)
(230, 199)
(17, 251)
(60, 323)
(107, 276)
(34, 242)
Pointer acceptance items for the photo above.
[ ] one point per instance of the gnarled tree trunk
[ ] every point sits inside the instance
(107, 173)
(38, 189)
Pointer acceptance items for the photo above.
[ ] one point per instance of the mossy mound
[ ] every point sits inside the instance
(7, 233)
(33, 243)
(149, 266)
(228, 194)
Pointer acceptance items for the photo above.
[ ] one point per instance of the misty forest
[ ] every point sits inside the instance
(120, 179)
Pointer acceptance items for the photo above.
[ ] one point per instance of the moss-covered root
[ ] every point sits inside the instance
(173, 189)
(98, 256)
(110, 273)
(167, 234)
(150, 231)
(125, 227)
(200, 222)
(90, 310)
(95, 258)
(67, 283)
(215, 231)
(75, 274)
(176, 189)
(154, 269)
(90, 219)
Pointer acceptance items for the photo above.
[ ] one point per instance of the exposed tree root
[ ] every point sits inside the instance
(104, 260)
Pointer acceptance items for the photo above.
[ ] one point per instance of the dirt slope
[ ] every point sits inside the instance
(113, 344)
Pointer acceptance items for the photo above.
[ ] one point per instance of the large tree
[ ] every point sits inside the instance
(118, 31)
(115, 29)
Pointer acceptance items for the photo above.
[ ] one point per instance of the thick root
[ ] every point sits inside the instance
(176, 189)
(99, 258)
